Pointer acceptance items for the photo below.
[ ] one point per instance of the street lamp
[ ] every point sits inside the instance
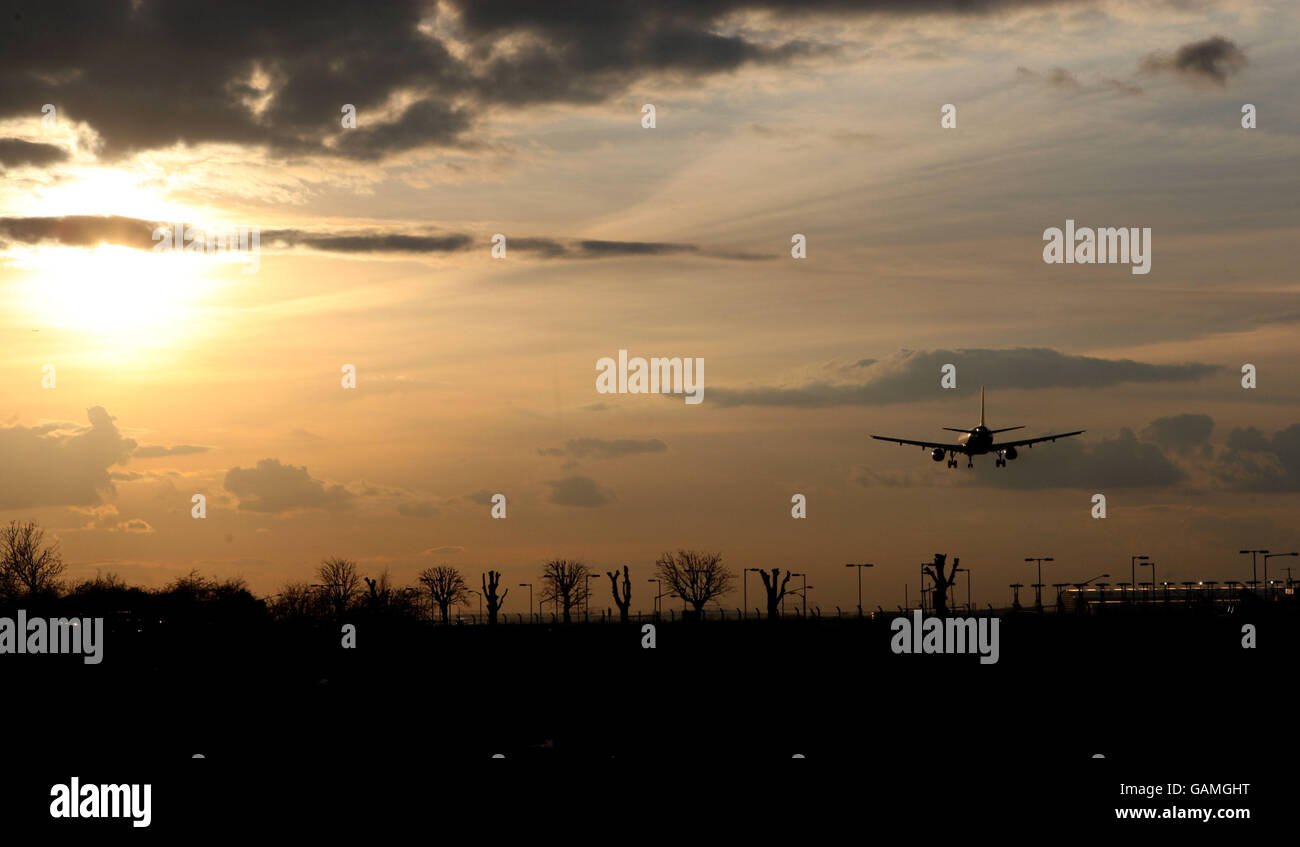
(1267, 584)
(1254, 577)
(658, 594)
(967, 572)
(783, 595)
(1152, 565)
(529, 586)
(1038, 589)
(480, 600)
(1132, 566)
(860, 567)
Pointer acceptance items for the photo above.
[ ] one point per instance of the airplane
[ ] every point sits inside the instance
(977, 441)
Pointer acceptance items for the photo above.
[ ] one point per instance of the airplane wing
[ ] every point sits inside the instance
(956, 448)
(999, 445)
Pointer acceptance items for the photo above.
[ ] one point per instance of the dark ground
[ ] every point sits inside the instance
(297, 732)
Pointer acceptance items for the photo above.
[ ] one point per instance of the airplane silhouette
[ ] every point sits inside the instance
(977, 441)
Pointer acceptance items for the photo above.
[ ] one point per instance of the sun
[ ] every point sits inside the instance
(132, 297)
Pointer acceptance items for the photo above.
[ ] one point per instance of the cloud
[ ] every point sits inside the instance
(417, 509)
(272, 487)
(1100, 465)
(1252, 461)
(149, 451)
(579, 491)
(913, 376)
(15, 151)
(280, 85)
(443, 551)
(1179, 432)
(483, 497)
(60, 464)
(1057, 78)
(79, 231)
(582, 448)
(1210, 61)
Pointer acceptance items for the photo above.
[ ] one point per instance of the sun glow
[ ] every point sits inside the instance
(128, 296)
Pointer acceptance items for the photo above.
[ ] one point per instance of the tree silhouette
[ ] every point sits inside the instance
(565, 581)
(939, 596)
(28, 566)
(339, 583)
(625, 601)
(491, 580)
(696, 577)
(379, 592)
(774, 591)
(446, 587)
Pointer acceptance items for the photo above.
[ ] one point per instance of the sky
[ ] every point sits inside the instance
(135, 379)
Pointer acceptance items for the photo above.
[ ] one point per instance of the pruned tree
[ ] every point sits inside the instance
(379, 592)
(28, 566)
(295, 600)
(775, 590)
(491, 581)
(565, 581)
(624, 602)
(446, 587)
(339, 583)
(696, 577)
(941, 582)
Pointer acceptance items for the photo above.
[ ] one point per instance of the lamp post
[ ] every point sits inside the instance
(860, 567)
(1132, 566)
(529, 586)
(1254, 576)
(1267, 585)
(658, 594)
(1150, 564)
(1038, 589)
(586, 599)
(480, 600)
(967, 572)
(783, 595)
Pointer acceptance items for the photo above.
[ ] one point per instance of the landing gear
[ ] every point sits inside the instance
(952, 460)
(970, 461)
(1001, 462)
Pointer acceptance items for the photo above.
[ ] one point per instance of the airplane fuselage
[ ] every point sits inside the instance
(978, 441)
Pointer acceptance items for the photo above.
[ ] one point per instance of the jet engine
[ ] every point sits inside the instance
(937, 454)
(1010, 453)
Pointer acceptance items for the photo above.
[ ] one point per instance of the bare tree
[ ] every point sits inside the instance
(625, 601)
(939, 596)
(491, 580)
(446, 587)
(379, 592)
(295, 600)
(565, 581)
(696, 577)
(774, 590)
(28, 565)
(339, 583)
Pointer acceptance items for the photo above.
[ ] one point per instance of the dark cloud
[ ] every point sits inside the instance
(1179, 432)
(15, 151)
(1252, 461)
(367, 242)
(1081, 462)
(1057, 78)
(147, 75)
(417, 509)
(60, 464)
(149, 451)
(582, 448)
(273, 487)
(578, 491)
(1212, 60)
(79, 231)
(911, 376)
(481, 498)
(93, 230)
